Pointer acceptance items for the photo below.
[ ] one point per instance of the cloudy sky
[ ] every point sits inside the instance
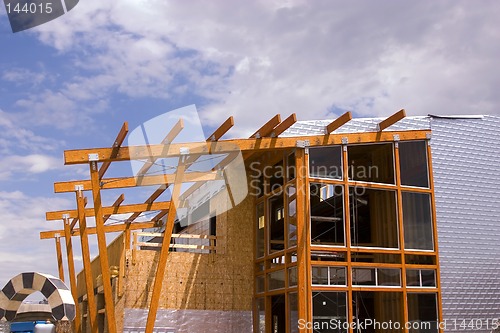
(72, 82)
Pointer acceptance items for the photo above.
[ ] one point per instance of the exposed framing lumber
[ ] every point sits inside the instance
(162, 261)
(107, 229)
(118, 142)
(174, 150)
(284, 125)
(125, 182)
(337, 123)
(178, 127)
(223, 129)
(75, 220)
(103, 252)
(87, 264)
(89, 212)
(391, 120)
(71, 272)
(117, 203)
(159, 191)
(60, 266)
(267, 128)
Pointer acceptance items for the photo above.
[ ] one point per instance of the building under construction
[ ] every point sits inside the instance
(305, 226)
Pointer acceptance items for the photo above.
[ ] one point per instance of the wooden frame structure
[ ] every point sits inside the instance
(265, 140)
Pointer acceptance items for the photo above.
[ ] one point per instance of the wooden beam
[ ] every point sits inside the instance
(267, 128)
(391, 120)
(118, 142)
(162, 261)
(284, 125)
(103, 251)
(72, 157)
(337, 123)
(159, 191)
(52, 216)
(178, 127)
(72, 273)
(110, 183)
(303, 239)
(75, 220)
(107, 229)
(223, 129)
(60, 266)
(117, 203)
(87, 264)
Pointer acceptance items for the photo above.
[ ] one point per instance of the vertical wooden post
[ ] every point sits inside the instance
(59, 257)
(303, 239)
(103, 251)
(167, 235)
(87, 267)
(347, 227)
(401, 231)
(71, 273)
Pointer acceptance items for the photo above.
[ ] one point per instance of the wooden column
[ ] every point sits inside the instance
(347, 228)
(71, 273)
(401, 231)
(167, 235)
(303, 239)
(87, 267)
(59, 257)
(103, 251)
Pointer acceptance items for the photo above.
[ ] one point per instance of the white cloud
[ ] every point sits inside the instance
(22, 217)
(23, 166)
(15, 138)
(260, 57)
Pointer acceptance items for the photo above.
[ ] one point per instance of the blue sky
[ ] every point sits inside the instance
(71, 83)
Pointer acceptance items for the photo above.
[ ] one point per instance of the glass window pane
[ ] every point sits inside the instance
(276, 280)
(413, 277)
(371, 163)
(422, 309)
(319, 275)
(337, 276)
(276, 224)
(260, 223)
(290, 166)
(363, 276)
(327, 214)
(292, 216)
(325, 162)
(292, 276)
(417, 221)
(277, 176)
(389, 277)
(329, 307)
(260, 284)
(293, 312)
(260, 316)
(380, 307)
(428, 277)
(373, 218)
(413, 163)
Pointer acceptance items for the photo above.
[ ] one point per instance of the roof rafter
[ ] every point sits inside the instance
(267, 128)
(124, 209)
(117, 144)
(107, 228)
(391, 120)
(337, 123)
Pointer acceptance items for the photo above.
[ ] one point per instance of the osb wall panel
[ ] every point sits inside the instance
(115, 250)
(221, 281)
